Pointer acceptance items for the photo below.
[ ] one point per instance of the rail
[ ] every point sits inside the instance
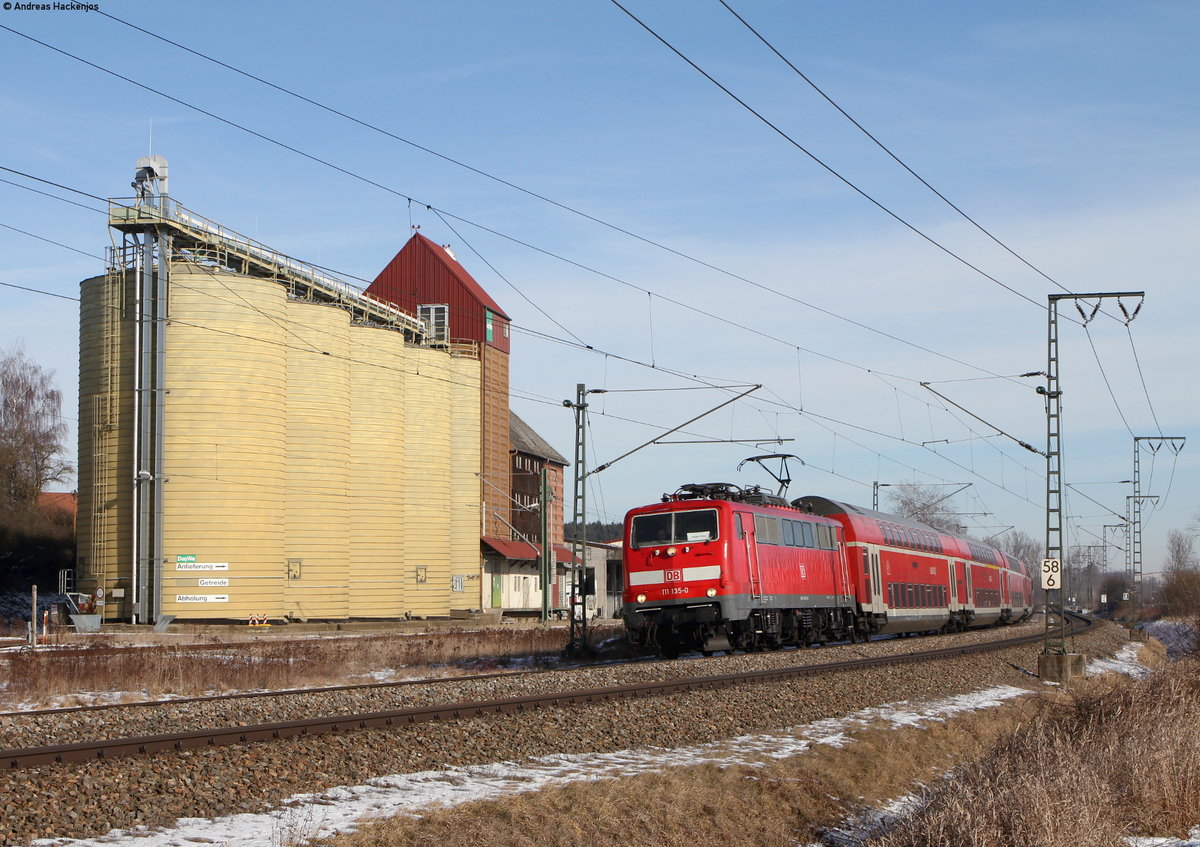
(180, 741)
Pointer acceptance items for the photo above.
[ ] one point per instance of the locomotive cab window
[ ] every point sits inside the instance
(693, 527)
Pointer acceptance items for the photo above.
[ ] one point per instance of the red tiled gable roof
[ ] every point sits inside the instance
(58, 501)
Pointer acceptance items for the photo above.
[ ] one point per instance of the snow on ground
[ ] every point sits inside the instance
(308, 816)
(1178, 637)
(1125, 661)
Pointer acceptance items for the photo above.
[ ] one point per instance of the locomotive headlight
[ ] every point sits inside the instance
(712, 592)
(671, 551)
(641, 598)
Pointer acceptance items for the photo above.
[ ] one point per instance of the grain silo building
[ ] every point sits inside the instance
(261, 439)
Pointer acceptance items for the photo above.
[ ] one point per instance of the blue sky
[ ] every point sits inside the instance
(1067, 130)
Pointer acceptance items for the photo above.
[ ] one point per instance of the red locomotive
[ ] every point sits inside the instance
(717, 567)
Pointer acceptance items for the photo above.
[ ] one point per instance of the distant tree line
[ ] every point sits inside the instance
(596, 531)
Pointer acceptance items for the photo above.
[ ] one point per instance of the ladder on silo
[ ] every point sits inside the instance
(104, 414)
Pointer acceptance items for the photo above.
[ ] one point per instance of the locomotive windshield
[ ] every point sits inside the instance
(674, 528)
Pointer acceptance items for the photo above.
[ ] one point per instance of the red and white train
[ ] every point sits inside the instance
(717, 567)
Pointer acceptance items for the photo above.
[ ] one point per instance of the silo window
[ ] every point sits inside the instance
(437, 317)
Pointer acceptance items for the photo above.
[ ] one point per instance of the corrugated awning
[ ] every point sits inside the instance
(523, 551)
(520, 550)
(563, 554)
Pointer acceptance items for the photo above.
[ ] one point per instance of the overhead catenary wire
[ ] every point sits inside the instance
(534, 194)
(497, 233)
(891, 153)
(830, 419)
(532, 397)
(796, 348)
(1142, 377)
(654, 366)
(335, 111)
(824, 165)
(1107, 383)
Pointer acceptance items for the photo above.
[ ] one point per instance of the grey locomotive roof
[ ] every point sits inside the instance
(524, 440)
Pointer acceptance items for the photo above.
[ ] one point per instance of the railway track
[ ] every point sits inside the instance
(292, 692)
(31, 757)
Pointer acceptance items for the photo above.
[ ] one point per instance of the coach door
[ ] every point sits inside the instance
(745, 531)
(842, 586)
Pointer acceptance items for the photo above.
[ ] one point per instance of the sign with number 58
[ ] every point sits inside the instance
(1051, 574)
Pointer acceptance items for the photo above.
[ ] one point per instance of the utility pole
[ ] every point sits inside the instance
(578, 644)
(1133, 556)
(546, 558)
(1056, 645)
(577, 608)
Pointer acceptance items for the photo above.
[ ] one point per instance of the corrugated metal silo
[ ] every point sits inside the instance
(317, 509)
(377, 420)
(465, 449)
(105, 475)
(224, 445)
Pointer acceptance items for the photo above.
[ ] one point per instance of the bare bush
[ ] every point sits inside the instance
(1103, 767)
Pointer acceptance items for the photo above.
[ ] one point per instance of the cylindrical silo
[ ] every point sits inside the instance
(224, 445)
(318, 452)
(105, 473)
(465, 467)
(427, 482)
(376, 479)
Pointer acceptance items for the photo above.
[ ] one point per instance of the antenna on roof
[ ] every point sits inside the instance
(784, 477)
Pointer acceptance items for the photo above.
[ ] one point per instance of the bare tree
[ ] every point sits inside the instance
(928, 504)
(1021, 545)
(31, 431)
(1181, 582)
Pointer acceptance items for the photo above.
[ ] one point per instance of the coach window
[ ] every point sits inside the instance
(807, 530)
(789, 536)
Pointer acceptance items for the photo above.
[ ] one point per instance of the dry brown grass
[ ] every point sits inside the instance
(775, 804)
(36, 676)
(1104, 764)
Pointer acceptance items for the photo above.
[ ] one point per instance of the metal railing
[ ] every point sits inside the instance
(127, 211)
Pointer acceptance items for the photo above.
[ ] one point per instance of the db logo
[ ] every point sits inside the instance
(674, 576)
